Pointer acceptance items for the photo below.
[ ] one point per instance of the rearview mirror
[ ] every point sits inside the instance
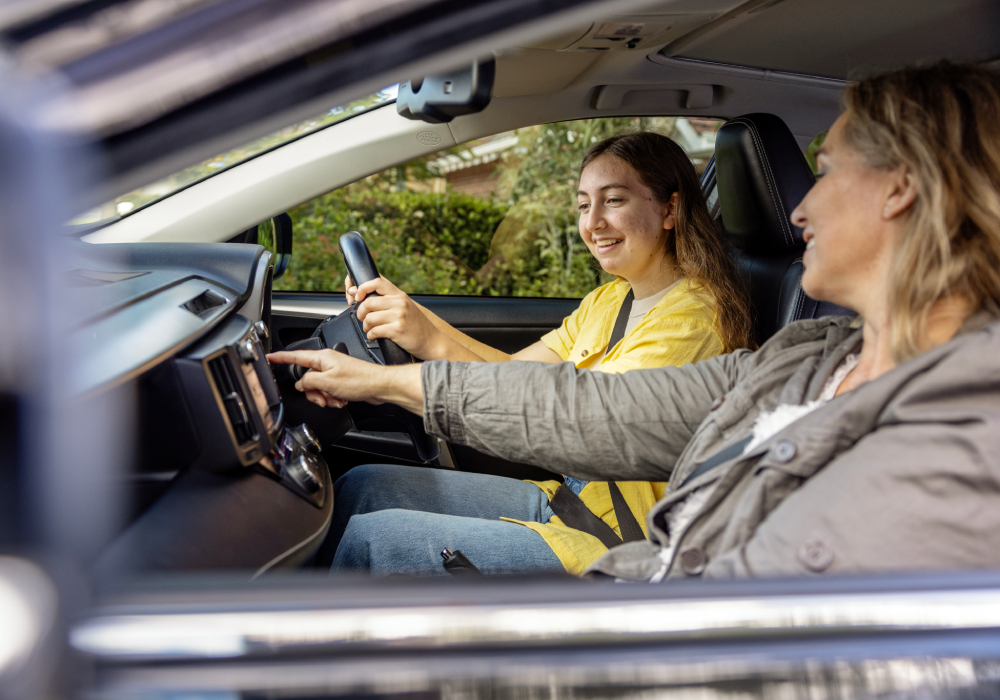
(441, 98)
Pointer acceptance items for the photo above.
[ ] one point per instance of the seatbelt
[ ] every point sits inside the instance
(618, 332)
(573, 511)
(457, 564)
(627, 524)
(567, 504)
(723, 455)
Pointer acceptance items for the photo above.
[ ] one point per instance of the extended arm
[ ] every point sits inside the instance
(337, 378)
(394, 315)
(590, 425)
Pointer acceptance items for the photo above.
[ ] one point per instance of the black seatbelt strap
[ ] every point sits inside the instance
(723, 455)
(629, 526)
(618, 332)
(572, 511)
(567, 504)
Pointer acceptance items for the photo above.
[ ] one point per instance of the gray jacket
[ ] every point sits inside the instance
(901, 473)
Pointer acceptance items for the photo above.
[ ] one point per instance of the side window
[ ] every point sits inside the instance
(495, 216)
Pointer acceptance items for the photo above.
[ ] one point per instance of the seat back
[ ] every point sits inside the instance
(761, 176)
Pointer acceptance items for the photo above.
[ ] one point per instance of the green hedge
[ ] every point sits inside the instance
(449, 243)
(523, 241)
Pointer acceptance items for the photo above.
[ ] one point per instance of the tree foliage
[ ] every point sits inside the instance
(521, 241)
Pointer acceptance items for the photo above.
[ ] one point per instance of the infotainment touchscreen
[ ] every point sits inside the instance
(258, 395)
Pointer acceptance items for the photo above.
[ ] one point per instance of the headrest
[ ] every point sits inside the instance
(762, 176)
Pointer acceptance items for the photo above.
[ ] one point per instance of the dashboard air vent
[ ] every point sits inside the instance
(204, 304)
(225, 380)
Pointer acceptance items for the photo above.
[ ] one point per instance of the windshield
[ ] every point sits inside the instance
(155, 191)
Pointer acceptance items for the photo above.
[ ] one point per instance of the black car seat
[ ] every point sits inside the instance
(761, 175)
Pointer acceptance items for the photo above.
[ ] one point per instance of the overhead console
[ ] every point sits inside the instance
(569, 54)
(638, 31)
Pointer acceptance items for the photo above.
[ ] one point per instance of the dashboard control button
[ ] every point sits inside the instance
(261, 329)
(304, 473)
(305, 437)
(248, 350)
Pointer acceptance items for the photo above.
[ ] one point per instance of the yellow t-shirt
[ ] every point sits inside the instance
(678, 330)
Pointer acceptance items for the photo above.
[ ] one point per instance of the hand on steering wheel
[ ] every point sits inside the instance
(331, 386)
(387, 312)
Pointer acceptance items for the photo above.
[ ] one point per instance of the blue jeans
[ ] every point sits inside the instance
(395, 519)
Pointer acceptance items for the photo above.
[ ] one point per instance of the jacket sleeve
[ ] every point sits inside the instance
(589, 425)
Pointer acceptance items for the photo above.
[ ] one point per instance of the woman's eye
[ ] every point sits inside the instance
(583, 206)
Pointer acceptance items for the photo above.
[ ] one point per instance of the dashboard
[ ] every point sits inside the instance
(220, 479)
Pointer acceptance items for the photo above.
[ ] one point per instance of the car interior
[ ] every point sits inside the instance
(183, 315)
(165, 493)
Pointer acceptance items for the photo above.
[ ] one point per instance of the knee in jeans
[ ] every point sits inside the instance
(355, 487)
(358, 476)
(381, 528)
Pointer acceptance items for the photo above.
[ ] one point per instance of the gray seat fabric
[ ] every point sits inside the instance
(761, 175)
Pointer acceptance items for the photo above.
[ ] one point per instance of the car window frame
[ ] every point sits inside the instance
(80, 230)
(431, 295)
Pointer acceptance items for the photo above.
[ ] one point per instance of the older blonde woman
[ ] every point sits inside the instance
(840, 445)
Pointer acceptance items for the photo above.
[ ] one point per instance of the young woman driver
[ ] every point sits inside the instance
(643, 216)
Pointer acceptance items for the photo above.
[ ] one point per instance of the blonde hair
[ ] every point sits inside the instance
(943, 124)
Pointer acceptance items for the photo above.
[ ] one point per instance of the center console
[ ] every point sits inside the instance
(216, 408)
(238, 414)
(232, 486)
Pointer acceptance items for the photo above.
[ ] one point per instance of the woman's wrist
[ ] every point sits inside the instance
(401, 385)
(441, 347)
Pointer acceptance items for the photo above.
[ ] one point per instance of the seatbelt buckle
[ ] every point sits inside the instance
(457, 564)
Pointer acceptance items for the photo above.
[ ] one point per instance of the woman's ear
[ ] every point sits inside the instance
(901, 192)
(670, 212)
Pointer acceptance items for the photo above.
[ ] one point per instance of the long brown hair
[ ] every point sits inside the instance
(696, 244)
(942, 123)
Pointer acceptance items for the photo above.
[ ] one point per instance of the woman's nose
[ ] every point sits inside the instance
(594, 219)
(798, 217)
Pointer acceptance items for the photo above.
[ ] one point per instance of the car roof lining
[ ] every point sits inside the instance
(851, 37)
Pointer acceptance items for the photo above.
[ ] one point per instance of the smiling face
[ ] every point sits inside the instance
(623, 225)
(850, 222)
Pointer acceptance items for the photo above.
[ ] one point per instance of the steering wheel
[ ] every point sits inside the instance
(361, 268)
(344, 333)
